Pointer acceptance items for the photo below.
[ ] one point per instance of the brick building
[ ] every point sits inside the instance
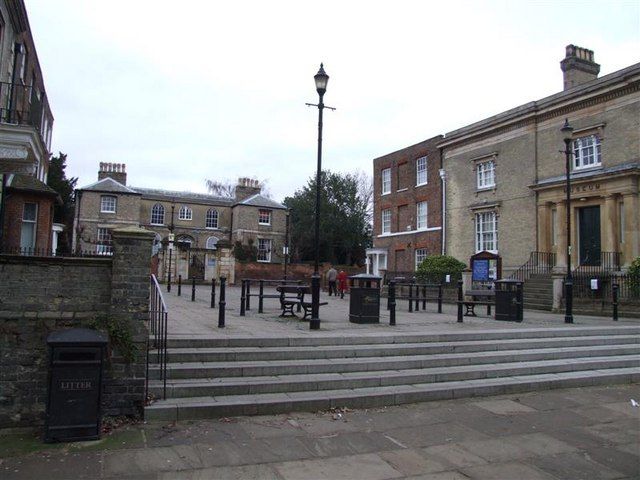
(26, 203)
(407, 208)
(195, 233)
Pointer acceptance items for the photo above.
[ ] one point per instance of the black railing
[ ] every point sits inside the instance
(399, 276)
(157, 342)
(609, 262)
(19, 105)
(46, 252)
(599, 286)
(538, 263)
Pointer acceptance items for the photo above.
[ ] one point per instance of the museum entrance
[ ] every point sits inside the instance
(589, 235)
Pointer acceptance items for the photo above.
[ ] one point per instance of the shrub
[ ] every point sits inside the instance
(434, 269)
(245, 253)
(634, 277)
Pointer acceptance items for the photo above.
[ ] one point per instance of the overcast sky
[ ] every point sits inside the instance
(183, 91)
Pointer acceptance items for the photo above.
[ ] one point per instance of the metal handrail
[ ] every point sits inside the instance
(539, 262)
(158, 323)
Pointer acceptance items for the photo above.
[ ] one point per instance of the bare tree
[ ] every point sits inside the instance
(365, 192)
(223, 188)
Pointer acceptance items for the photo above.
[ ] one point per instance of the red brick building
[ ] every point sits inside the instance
(407, 207)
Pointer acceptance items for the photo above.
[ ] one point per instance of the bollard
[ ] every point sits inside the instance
(392, 302)
(417, 297)
(248, 307)
(410, 295)
(424, 297)
(179, 285)
(260, 302)
(213, 293)
(614, 293)
(243, 297)
(460, 301)
(440, 298)
(169, 275)
(222, 303)
(193, 289)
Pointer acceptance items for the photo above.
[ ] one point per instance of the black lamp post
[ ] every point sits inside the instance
(321, 78)
(285, 250)
(567, 131)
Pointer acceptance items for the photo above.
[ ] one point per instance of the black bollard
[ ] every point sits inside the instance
(243, 298)
(169, 275)
(410, 298)
(614, 293)
(424, 297)
(179, 285)
(193, 289)
(260, 302)
(460, 301)
(222, 303)
(248, 293)
(440, 298)
(392, 302)
(213, 293)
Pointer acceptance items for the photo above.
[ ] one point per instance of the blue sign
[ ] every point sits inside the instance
(480, 272)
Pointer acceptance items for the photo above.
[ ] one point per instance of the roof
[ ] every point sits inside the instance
(184, 196)
(109, 185)
(258, 200)
(18, 181)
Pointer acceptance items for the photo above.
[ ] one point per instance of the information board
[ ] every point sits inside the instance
(480, 272)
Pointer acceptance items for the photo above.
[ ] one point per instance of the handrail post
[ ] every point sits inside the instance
(193, 289)
(260, 298)
(460, 301)
(179, 285)
(222, 303)
(213, 293)
(614, 293)
(391, 297)
(243, 297)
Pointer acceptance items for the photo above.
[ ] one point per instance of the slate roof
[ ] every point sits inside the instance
(184, 196)
(109, 185)
(258, 200)
(29, 183)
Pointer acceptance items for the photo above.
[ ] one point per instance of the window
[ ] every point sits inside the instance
(22, 49)
(386, 181)
(107, 204)
(421, 215)
(586, 152)
(28, 229)
(486, 174)
(421, 171)
(386, 221)
(264, 217)
(185, 213)
(212, 219)
(421, 254)
(486, 231)
(103, 242)
(382, 261)
(157, 215)
(264, 250)
(211, 243)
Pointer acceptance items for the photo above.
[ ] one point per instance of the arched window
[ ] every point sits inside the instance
(212, 218)
(185, 213)
(211, 243)
(157, 214)
(185, 241)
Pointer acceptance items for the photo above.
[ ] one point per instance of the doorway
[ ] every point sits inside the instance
(589, 231)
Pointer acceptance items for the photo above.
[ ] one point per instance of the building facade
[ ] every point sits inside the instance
(196, 234)
(407, 208)
(26, 203)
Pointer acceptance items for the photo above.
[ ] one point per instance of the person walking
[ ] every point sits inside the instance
(332, 274)
(342, 282)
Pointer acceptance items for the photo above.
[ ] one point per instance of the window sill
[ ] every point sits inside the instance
(485, 189)
(587, 169)
(212, 228)
(385, 193)
(422, 184)
(112, 213)
(402, 190)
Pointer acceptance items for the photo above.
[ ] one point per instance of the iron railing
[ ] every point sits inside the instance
(19, 104)
(585, 288)
(47, 252)
(538, 263)
(609, 262)
(157, 342)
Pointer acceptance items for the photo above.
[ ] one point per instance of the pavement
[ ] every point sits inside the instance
(581, 433)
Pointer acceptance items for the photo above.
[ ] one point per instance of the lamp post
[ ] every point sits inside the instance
(321, 78)
(567, 131)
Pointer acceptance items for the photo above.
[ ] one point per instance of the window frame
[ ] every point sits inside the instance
(420, 171)
(103, 199)
(385, 177)
(267, 255)
(385, 222)
(160, 212)
(32, 223)
(419, 215)
(264, 212)
(185, 213)
(482, 219)
(482, 174)
(212, 239)
(580, 149)
(420, 251)
(104, 245)
(211, 218)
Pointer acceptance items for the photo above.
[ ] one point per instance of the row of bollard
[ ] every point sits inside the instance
(221, 304)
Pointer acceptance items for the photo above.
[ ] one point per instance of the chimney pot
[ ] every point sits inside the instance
(578, 66)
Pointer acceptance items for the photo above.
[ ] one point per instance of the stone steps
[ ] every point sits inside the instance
(211, 377)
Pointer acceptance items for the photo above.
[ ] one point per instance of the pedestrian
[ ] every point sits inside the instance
(342, 283)
(331, 278)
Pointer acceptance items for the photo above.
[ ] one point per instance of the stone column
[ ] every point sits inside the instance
(561, 248)
(544, 221)
(631, 246)
(609, 225)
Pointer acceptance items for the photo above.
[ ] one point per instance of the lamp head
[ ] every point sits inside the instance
(321, 79)
(567, 130)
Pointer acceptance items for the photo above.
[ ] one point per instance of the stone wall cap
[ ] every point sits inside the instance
(132, 231)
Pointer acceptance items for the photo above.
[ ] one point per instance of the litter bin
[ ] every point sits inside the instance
(509, 302)
(364, 300)
(75, 385)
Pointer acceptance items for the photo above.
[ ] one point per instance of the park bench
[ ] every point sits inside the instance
(478, 297)
(293, 296)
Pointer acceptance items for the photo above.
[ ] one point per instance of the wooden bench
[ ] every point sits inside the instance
(478, 297)
(293, 296)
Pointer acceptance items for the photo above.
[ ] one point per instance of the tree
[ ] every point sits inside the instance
(57, 179)
(227, 189)
(344, 226)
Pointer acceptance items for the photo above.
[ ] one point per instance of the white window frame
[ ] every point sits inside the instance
(264, 254)
(421, 215)
(421, 254)
(486, 174)
(211, 243)
(103, 241)
(386, 221)
(382, 261)
(157, 211)
(421, 171)
(586, 152)
(32, 224)
(211, 220)
(486, 227)
(262, 214)
(385, 176)
(108, 204)
(185, 213)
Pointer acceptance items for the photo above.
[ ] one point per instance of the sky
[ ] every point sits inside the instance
(189, 90)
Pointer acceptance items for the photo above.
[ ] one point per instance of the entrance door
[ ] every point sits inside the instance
(589, 218)
(196, 267)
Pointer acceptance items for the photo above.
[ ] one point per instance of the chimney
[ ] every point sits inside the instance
(247, 187)
(113, 170)
(578, 66)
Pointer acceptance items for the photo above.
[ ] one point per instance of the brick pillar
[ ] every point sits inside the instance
(132, 248)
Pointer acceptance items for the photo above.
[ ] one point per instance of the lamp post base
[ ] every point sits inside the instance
(568, 317)
(314, 322)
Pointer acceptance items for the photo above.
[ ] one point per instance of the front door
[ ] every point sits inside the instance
(589, 231)
(196, 267)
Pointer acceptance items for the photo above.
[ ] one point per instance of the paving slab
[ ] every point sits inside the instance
(412, 462)
(577, 466)
(369, 467)
(503, 471)
(503, 407)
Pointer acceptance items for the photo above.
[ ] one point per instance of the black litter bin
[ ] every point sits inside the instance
(75, 385)
(509, 302)
(364, 300)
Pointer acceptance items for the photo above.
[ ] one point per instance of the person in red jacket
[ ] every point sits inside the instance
(342, 283)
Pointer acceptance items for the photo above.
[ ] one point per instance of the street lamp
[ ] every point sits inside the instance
(321, 78)
(567, 131)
